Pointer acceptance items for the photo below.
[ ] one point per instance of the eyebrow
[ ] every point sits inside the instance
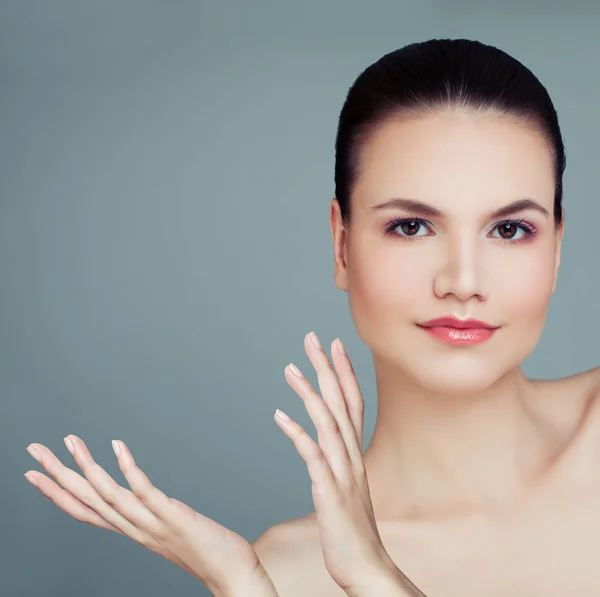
(423, 209)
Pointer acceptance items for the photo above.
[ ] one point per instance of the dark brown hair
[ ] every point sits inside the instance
(436, 75)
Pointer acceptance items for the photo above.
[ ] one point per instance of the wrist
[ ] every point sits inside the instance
(391, 582)
(258, 586)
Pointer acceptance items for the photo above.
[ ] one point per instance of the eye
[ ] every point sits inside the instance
(508, 230)
(407, 227)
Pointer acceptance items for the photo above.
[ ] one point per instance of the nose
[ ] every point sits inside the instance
(461, 272)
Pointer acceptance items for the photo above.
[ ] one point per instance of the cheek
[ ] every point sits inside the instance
(389, 284)
(522, 288)
(386, 291)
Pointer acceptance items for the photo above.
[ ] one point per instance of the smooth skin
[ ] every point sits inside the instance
(145, 514)
(484, 483)
(221, 559)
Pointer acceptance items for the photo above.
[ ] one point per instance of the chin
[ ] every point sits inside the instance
(461, 371)
(453, 380)
(467, 372)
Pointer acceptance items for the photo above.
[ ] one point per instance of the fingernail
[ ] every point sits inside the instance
(315, 340)
(340, 346)
(281, 415)
(295, 370)
(34, 452)
(116, 447)
(69, 445)
(31, 478)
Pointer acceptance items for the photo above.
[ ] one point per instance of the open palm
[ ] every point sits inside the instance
(353, 552)
(215, 555)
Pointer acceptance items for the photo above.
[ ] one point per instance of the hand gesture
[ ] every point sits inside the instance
(352, 548)
(221, 559)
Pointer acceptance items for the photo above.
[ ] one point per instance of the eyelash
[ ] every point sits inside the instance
(528, 229)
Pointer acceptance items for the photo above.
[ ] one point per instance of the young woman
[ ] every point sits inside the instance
(447, 225)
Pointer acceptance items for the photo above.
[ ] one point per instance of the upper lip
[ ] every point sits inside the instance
(453, 322)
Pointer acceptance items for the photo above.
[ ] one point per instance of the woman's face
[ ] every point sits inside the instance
(451, 257)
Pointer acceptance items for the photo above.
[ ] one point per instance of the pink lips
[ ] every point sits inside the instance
(452, 330)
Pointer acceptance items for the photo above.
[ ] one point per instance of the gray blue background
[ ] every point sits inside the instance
(166, 172)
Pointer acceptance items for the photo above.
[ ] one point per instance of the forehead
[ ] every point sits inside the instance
(455, 160)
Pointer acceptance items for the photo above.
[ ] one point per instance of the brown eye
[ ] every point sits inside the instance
(410, 227)
(514, 230)
(507, 230)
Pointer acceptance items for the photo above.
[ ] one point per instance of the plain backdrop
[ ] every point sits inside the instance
(166, 172)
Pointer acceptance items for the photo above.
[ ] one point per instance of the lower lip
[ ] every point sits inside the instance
(460, 336)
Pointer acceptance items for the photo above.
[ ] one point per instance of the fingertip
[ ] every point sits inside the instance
(126, 452)
(32, 478)
(282, 417)
(339, 346)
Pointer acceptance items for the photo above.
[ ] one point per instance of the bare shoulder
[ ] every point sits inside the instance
(291, 554)
(570, 408)
(594, 375)
(568, 399)
(291, 537)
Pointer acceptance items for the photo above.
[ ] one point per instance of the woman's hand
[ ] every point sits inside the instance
(352, 548)
(221, 559)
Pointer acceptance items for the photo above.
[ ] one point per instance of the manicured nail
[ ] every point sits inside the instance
(31, 478)
(34, 452)
(340, 346)
(315, 340)
(295, 370)
(69, 445)
(116, 448)
(279, 414)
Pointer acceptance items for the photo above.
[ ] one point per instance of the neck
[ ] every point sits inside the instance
(436, 455)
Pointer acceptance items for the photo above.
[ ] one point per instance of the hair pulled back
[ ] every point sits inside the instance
(434, 76)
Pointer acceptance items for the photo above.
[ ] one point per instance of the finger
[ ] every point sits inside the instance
(161, 505)
(329, 434)
(350, 389)
(333, 396)
(83, 513)
(84, 490)
(67, 502)
(317, 463)
(145, 506)
(173, 514)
